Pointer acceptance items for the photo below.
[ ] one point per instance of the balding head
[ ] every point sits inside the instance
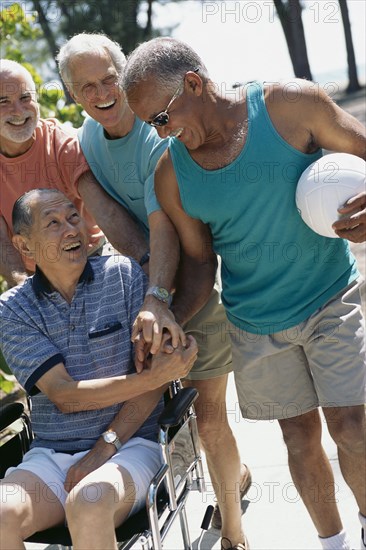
(9, 67)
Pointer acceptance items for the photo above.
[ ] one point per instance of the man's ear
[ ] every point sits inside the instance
(21, 244)
(73, 96)
(71, 93)
(194, 82)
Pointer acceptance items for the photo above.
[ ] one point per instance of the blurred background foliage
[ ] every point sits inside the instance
(38, 33)
(20, 33)
(39, 27)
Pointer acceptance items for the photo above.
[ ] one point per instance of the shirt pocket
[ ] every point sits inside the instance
(110, 347)
(110, 328)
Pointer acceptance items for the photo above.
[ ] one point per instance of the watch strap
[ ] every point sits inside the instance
(145, 258)
(116, 441)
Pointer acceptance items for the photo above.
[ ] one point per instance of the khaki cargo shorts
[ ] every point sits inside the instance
(214, 352)
(319, 362)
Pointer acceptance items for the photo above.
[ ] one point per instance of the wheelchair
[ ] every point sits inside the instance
(168, 491)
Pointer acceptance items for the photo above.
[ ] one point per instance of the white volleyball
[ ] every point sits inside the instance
(325, 186)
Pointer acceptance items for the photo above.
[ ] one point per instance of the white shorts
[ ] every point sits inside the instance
(140, 457)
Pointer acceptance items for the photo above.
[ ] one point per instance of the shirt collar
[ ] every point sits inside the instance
(41, 284)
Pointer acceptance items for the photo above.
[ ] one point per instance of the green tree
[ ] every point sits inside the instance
(128, 22)
(18, 28)
(15, 29)
(63, 18)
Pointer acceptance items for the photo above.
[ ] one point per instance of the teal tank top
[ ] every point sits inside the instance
(275, 271)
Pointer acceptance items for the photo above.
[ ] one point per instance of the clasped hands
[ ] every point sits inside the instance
(155, 333)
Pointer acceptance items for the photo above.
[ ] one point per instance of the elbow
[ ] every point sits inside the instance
(64, 405)
(63, 401)
(70, 406)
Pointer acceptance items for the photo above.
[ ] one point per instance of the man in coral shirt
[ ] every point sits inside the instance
(34, 152)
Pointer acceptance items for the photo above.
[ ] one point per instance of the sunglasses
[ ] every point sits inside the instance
(162, 118)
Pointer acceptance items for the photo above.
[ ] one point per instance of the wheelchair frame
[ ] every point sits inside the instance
(168, 491)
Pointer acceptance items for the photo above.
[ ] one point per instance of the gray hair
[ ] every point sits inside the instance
(165, 59)
(84, 43)
(9, 66)
(22, 218)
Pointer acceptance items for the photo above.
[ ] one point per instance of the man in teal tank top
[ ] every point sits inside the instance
(122, 152)
(292, 299)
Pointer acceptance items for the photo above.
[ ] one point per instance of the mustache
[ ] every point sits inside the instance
(25, 115)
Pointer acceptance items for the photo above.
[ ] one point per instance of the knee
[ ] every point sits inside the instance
(10, 519)
(349, 432)
(87, 503)
(11, 515)
(301, 437)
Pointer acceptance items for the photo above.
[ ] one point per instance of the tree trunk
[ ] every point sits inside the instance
(148, 26)
(49, 36)
(289, 13)
(353, 84)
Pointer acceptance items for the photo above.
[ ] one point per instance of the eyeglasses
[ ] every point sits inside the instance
(162, 118)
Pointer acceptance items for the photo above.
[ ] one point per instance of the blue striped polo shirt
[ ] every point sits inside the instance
(91, 336)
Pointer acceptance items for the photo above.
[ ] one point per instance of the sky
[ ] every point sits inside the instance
(241, 40)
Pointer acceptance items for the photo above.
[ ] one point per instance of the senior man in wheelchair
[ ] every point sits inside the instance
(65, 334)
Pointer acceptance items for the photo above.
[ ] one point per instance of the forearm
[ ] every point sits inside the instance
(121, 230)
(194, 285)
(197, 269)
(134, 413)
(154, 317)
(127, 421)
(72, 396)
(164, 251)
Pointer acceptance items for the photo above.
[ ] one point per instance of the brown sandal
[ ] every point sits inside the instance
(240, 546)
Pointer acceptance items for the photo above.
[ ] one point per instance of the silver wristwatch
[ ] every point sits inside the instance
(111, 437)
(160, 293)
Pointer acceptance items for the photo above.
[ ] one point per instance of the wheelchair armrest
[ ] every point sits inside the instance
(177, 407)
(10, 413)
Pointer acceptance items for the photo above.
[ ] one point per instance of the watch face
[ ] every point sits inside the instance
(163, 293)
(109, 437)
(160, 293)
